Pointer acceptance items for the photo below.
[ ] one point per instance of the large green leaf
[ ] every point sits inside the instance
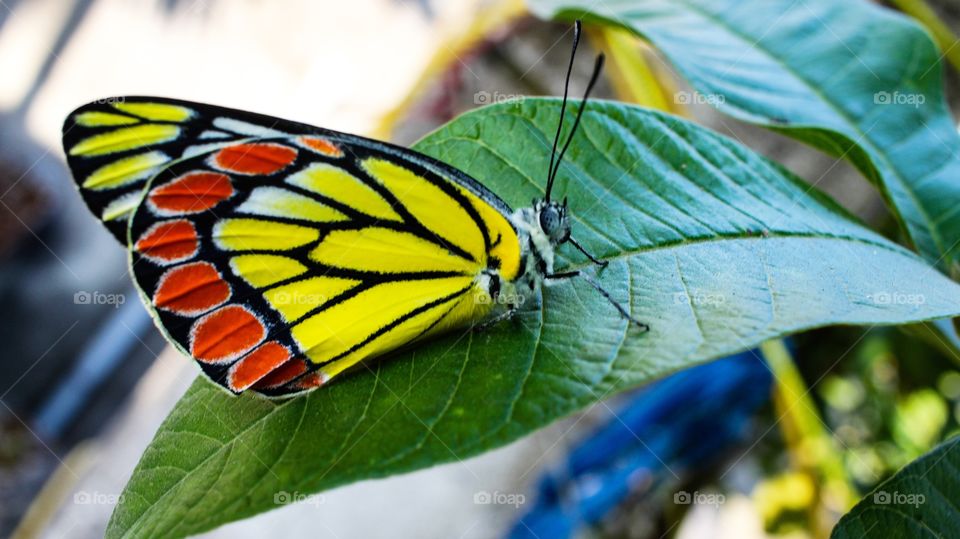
(847, 77)
(919, 501)
(717, 248)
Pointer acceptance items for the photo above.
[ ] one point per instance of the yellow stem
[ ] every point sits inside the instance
(633, 79)
(812, 448)
(493, 16)
(946, 39)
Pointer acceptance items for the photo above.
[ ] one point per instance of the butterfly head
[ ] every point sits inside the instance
(553, 221)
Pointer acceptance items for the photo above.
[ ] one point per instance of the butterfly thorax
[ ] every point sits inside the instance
(540, 228)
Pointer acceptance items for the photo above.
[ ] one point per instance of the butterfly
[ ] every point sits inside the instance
(278, 255)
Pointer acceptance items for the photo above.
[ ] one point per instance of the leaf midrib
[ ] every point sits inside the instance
(873, 151)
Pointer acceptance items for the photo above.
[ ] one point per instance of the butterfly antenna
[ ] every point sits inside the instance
(563, 107)
(597, 67)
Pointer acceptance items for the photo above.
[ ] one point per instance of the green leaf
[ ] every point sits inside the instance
(717, 248)
(850, 78)
(919, 501)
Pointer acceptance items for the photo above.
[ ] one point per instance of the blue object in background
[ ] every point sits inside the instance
(667, 430)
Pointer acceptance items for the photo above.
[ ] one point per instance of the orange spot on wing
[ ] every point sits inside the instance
(310, 381)
(191, 289)
(282, 374)
(225, 334)
(192, 192)
(255, 158)
(322, 145)
(170, 241)
(256, 365)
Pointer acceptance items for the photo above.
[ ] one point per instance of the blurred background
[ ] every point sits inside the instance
(86, 379)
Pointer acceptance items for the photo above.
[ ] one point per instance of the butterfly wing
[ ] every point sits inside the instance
(278, 254)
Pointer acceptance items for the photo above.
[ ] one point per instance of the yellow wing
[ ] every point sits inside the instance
(278, 261)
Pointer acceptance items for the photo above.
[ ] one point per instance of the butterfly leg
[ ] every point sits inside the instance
(603, 292)
(601, 263)
(496, 319)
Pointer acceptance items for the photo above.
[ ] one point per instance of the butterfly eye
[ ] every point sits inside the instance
(550, 220)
